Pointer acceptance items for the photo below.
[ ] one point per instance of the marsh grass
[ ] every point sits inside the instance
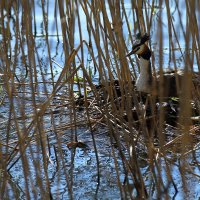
(32, 100)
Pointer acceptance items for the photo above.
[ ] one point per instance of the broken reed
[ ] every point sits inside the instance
(107, 47)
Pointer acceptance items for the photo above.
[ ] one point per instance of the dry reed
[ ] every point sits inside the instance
(30, 130)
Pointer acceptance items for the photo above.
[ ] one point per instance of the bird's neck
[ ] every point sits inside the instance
(144, 80)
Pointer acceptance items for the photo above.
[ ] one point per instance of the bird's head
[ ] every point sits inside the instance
(139, 46)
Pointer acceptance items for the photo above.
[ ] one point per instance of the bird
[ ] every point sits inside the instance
(146, 82)
(149, 84)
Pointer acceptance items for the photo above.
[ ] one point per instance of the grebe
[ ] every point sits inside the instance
(172, 84)
(146, 82)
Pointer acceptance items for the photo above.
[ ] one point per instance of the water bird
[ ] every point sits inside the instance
(169, 84)
(146, 82)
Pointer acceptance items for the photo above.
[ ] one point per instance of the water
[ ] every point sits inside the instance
(85, 184)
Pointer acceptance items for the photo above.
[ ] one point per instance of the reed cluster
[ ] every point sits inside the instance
(46, 102)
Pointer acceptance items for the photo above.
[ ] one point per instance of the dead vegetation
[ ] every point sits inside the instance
(41, 111)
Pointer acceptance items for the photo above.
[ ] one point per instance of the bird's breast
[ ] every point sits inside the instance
(143, 83)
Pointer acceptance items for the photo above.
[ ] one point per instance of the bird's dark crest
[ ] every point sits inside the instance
(141, 39)
(144, 38)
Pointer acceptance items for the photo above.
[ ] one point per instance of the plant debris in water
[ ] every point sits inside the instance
(73, 125)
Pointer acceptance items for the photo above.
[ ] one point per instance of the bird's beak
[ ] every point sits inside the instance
(130, 53)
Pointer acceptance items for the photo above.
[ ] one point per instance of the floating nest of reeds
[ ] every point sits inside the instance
(141, 117)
